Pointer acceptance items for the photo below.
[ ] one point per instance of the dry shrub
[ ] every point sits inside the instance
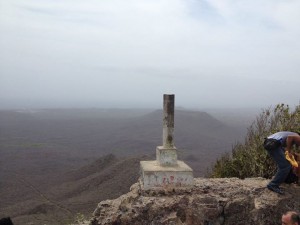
(250, 159)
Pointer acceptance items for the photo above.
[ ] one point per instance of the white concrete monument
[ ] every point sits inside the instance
(166, 172)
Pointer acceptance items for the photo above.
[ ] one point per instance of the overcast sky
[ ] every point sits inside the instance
(116, 53)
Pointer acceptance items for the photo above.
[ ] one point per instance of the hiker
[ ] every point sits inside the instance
(275, 145)
(290, 218)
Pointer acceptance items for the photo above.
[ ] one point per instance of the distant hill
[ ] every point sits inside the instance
(63, 161)
(78, 139)
(105, 178)
(70, 193)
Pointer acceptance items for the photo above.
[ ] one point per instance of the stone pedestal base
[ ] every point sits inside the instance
(166, 156)
(155, 177)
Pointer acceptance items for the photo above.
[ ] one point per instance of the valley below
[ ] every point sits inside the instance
(56, 165)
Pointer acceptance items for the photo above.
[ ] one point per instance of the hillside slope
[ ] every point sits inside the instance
(77, 191)
(56, 163)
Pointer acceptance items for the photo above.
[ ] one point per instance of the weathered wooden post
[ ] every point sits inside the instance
(166, 172)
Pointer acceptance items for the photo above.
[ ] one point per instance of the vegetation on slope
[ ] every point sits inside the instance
(250, 159)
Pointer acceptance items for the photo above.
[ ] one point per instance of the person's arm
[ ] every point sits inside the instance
(290, 140)
(289, 143)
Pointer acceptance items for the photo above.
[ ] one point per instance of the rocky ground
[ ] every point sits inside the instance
(210, 202)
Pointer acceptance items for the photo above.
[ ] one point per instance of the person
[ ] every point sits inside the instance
(284, 139)
(290, 218)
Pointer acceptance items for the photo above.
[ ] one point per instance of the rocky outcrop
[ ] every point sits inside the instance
(210, 202)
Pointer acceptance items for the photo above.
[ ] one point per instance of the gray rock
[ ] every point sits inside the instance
(210, 202)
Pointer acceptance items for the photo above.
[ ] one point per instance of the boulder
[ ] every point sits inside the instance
(224, 201)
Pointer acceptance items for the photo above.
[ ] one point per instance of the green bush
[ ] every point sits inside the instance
(250, 159)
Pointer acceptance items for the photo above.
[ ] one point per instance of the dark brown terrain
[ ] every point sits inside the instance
(57, 163)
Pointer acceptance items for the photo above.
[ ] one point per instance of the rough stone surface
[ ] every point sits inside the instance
(209, 202)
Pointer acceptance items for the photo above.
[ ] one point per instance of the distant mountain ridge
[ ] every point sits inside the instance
(53, 162)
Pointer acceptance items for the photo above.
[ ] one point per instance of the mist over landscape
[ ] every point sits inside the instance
(96, 153)
(82, 84)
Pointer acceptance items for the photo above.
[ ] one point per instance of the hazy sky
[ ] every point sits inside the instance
(116, 53)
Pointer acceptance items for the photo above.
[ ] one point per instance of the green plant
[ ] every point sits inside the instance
(250, 159)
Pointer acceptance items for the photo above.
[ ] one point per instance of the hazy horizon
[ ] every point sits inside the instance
(94, 105)
(116, 54)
